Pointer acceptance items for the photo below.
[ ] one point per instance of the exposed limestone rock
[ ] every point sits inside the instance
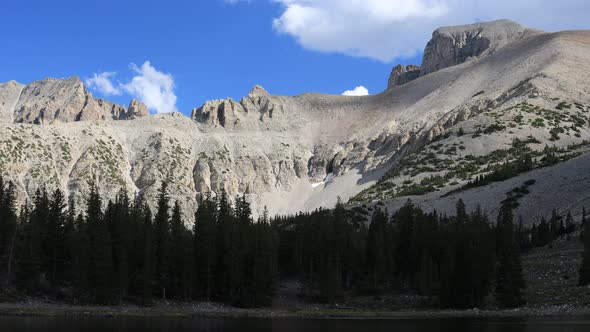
(451, 46)
(401, 75)
(228, 113)
(117, 112)
(9, 95)
(219, 113)
(59, 100)
(136, 110)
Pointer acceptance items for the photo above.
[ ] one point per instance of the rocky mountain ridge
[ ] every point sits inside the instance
(60, 100)
(481, 87)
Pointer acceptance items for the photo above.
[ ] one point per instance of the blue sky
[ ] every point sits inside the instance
(210, 49)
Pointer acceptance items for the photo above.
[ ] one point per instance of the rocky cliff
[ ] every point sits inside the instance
(455, 122)
(60, 100)
(450, 46)
(401, 75)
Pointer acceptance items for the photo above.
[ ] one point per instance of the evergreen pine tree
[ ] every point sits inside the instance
(8, 231)
(148, 259)
(31, 242)
(205, 246)
(510, 281)
(225, 237)
(162, 242)
(180, 255)
(461, 211)
(377, 255)
(555, 224)
(117, 217)
(99, 250)
(570, 226)
(55, 240)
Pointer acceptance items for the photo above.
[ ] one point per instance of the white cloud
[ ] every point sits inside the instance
(102, 82)
(389, 29)
(358, 91)
(153, 87)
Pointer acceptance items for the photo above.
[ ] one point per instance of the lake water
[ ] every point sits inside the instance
(92, 324)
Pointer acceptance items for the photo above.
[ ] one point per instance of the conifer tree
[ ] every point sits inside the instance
(461, 211)
(148, 259)
(99, 250)
(510, 280)
(31, 242)
(180, 256)
(378, 263)
(118, 220)
(260, 264)
(555, 224)
(570, 226)
(81, 254)
(55, 240)
(225, 237)
(70, 251)
(162, 241)
(8, 230)
(205, 246)
(241, 250)
(405, 261)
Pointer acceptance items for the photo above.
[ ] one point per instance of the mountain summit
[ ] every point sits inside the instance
(455, 45)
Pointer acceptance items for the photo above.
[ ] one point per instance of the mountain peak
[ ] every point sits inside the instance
(454, 45)
(258, 91)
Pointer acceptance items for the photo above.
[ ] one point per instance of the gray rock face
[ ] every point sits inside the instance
(228, 113)
(401, 75)
(9, 95)
(451, 46)
(136, 110)
(58, 101)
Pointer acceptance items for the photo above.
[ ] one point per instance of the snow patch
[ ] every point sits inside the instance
(327, 179)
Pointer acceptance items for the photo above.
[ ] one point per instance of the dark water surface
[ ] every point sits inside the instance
(93, 324)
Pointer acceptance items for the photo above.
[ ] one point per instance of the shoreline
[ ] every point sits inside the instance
(206, 310)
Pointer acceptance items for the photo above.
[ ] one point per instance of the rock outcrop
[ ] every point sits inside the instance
(228, 113)
(9, 95)
(58, 101)
(451, 46)
(401, 75)
(135, 110)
